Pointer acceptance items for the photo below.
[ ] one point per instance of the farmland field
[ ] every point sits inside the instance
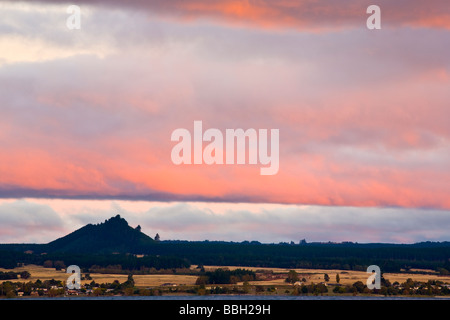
(272, 276)
(39, 272)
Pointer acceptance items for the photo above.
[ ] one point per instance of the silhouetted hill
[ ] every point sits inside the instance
(112, 236)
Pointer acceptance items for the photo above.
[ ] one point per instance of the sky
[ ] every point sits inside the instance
(86, 118)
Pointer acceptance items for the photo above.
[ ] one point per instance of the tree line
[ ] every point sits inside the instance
(225, 276)
(390, 258)
(179, 254)
(10, 259)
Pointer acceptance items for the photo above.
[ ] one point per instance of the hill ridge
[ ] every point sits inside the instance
(112, 236)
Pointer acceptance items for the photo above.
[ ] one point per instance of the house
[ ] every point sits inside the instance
(168, 284)
(72, 292)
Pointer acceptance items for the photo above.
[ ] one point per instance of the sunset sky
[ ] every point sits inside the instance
(86, 118)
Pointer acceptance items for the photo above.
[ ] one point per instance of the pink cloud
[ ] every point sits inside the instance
(363, 122)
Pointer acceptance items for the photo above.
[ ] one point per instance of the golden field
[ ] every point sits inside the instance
(152, 280)
(346, 276)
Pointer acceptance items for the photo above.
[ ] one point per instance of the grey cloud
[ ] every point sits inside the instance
(292, 223)
(23, 221)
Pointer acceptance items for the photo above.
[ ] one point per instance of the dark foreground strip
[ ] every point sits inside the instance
(222, 309)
